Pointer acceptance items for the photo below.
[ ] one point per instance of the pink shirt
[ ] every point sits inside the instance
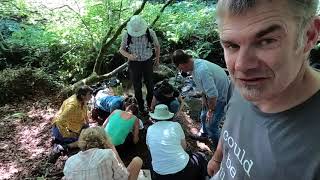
(95, 164)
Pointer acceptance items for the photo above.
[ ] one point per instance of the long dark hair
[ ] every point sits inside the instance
(165, 87)
(133, 108)
(129, 100)
(83, 91)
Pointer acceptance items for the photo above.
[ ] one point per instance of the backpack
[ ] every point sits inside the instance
(150, 40)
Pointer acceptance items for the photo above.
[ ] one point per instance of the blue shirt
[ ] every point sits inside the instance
(109, 103)
(211, 79)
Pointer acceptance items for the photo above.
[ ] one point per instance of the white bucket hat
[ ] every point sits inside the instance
(137, 26)
(161, 112)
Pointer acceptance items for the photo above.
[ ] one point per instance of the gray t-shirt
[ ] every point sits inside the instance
(276, 146)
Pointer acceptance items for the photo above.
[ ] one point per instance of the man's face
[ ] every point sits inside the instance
(183, 67)
(260, 50)
(169, 95)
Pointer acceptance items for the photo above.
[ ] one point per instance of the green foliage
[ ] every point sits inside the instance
(18, 83)
(33, 36)
(184, 20)
(65, 40)
(189, 24)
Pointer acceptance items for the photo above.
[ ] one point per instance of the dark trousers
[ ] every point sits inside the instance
(196, 169)
(127, 145)
(139, 70)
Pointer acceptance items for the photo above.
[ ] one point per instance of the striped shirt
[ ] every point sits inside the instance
(97, 164)
(140, 46)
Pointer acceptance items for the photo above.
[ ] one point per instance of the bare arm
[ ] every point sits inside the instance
(153, 103)
(211, 103)
(105, 123)
(136, 131)
(181, 101)
(157, 49)
(86, 119)
(127, 54)
(215, 162)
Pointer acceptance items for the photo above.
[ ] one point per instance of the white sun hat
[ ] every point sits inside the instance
(137, 26)
(161, 112)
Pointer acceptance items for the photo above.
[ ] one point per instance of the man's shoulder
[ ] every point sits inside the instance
(200, 66)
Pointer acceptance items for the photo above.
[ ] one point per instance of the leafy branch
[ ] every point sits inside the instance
(78, 15)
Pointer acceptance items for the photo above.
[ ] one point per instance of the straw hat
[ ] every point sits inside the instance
(161, 112)
(137, 26)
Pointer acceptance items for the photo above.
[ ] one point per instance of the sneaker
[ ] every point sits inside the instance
(57, 150)
(202, 135)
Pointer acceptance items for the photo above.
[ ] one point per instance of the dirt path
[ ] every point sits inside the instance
(25, 140)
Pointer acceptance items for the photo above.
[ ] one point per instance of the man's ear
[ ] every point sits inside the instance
(312, 34)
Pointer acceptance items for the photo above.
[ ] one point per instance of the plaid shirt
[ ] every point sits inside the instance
(140, 45)
(95, 164)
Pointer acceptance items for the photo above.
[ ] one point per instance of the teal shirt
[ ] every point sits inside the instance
(119, 128)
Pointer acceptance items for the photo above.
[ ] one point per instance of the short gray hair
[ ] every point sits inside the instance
(303, 10)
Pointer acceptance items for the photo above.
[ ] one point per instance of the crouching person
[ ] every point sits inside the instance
(105, 104)
(70, 120)
(98, 159)
(167, 144)
(165, 93)
(122, 127)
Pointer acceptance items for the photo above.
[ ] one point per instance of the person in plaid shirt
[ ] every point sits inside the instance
(139, 45)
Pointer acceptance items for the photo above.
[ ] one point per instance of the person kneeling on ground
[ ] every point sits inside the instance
(105, 104)
(167, 144)
(98, 159)
(70, 120)
(165, 93)
(120, 123)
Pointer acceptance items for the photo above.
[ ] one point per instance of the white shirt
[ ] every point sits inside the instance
(97, 164)
(164, 142)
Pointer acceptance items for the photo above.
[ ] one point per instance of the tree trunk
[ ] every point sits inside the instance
(161, 11)
(95, 77)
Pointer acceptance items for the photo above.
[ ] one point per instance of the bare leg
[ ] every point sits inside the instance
(134, 168)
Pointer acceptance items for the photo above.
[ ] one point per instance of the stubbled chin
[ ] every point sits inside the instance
(250, 94)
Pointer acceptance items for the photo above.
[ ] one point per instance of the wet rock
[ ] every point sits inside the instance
(193, 107)
(162, 72)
